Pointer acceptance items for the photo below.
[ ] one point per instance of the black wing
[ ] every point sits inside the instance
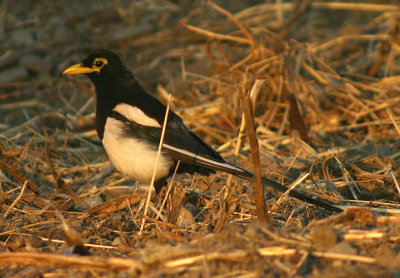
(180, 144)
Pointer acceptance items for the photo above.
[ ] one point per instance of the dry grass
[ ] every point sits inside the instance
(328, 113)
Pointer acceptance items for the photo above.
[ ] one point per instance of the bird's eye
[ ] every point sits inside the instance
(98, 64)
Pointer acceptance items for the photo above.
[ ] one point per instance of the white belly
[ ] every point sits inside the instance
(133, 158)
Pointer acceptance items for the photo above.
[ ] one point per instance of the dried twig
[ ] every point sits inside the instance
(217, 36)
(16, 200)
(231, 18)
(111, 264)
(259, 188)
(156, 164)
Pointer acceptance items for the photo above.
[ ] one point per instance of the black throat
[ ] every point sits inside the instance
(111, 90)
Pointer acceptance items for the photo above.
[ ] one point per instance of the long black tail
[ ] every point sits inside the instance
(277, 186)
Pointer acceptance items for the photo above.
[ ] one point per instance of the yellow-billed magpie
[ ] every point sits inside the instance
(129, 123)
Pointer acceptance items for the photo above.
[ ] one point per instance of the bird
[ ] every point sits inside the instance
(129, 123)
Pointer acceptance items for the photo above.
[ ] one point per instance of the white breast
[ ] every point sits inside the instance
(132, 157)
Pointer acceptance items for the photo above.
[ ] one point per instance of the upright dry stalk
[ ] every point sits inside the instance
(262, 213)
(156, 165)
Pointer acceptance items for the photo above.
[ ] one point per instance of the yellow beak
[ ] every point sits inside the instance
(78, 69)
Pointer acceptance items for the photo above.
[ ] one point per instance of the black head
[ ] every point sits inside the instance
(100, 65)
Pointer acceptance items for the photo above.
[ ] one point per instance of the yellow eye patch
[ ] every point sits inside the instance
(98, 64)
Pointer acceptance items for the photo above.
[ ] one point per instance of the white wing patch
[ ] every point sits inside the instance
(135, 115)
(132, 157)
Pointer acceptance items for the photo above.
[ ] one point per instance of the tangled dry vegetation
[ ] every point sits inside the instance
(327, 115)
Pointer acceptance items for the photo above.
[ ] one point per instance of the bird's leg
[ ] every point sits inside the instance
(158, 185)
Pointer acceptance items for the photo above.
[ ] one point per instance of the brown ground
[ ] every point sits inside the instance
(329, 108)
